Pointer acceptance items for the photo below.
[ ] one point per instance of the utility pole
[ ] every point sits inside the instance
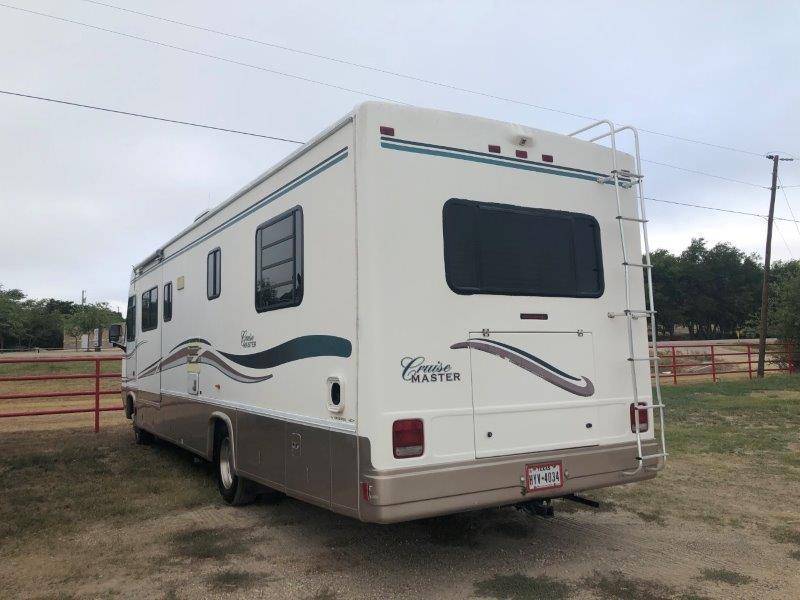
(762, 340)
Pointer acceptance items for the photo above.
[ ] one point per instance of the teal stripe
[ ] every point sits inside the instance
(488, 161)
(282, 191)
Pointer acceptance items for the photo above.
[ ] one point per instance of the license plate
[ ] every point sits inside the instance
(544, 476)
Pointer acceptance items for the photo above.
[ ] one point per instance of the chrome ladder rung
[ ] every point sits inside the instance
(650, 456)
(640, 265)
(646, 406)
(634, 219)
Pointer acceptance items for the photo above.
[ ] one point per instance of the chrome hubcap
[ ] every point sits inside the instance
(225, 470)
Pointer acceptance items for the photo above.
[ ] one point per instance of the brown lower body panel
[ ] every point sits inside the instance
(436, 490)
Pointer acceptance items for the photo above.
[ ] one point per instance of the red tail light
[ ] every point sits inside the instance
(494, 148)
(385, 130)
(408, 438)
(644, 422)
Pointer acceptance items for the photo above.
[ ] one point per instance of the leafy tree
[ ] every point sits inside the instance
(786, 315)
(88, 317)
(10, 314)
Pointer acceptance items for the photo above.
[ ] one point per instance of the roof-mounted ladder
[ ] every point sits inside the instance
(625, 179)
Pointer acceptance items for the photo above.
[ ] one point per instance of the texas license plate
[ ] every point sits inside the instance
(543, 476)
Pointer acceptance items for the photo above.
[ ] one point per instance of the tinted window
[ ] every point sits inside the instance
(279, 261)
(501, 249)
(150, 309)
(130, 319)
(214, 274)
(167, 301)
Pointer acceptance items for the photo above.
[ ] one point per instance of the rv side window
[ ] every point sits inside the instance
(513, 250)
(214, 274)
(130, 319)
(150, 309)
(167, 302)
(279, 261)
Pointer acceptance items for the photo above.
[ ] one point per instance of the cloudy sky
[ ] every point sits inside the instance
(85, 194)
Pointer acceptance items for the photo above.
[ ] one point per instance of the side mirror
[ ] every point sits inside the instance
(114, 332)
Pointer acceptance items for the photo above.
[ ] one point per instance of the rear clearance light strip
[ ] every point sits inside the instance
(547, 167)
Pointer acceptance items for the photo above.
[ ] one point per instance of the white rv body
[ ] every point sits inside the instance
(499, 381)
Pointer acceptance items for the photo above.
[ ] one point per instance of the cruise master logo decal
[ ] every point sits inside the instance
(416, 369)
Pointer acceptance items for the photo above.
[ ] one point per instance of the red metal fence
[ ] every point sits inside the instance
(703, 360)
(97, 375)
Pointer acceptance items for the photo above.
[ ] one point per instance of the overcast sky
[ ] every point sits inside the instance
(84, 194)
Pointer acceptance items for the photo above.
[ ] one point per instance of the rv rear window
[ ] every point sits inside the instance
(513, 250)
(279, 261)
(150, 309)
(130, 319)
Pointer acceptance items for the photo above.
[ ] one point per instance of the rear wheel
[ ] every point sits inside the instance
(234, 490)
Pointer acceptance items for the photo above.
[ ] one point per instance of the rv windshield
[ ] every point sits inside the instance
(513, 250)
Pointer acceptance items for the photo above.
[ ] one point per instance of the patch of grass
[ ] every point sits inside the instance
(231, 580)
(78, 478)
(522, 587)
(218, 544)
(785, 535)
(725, 576)
(615, 585)
(758, 417)
(655, 516)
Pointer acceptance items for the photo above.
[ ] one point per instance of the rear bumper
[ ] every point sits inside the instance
(435, 490)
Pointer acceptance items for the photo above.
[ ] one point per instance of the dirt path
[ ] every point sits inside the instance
(293, 550)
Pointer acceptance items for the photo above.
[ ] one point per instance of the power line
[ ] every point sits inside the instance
(785, 243)
(144, 116)
(199, 53)
(281, 139)
(789, 206)
(403, 75)
(271, 137)
(706, 174)
(716, 208)
(298, 77)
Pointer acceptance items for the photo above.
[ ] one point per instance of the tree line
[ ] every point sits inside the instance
(715, 292)
(28, 323)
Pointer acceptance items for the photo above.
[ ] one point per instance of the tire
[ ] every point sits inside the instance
(235, 490)
(142, 437)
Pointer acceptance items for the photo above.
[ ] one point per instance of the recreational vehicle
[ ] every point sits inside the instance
(415, 313)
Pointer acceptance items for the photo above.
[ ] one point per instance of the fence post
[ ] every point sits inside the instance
(749, 361)
(674, 368)
(713, 364)
(96, 395)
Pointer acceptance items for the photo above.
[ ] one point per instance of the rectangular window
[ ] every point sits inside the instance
(512, 250)
(167, 302)
(279, 261)
(130, 319)
(150, 309)
(214, 274)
